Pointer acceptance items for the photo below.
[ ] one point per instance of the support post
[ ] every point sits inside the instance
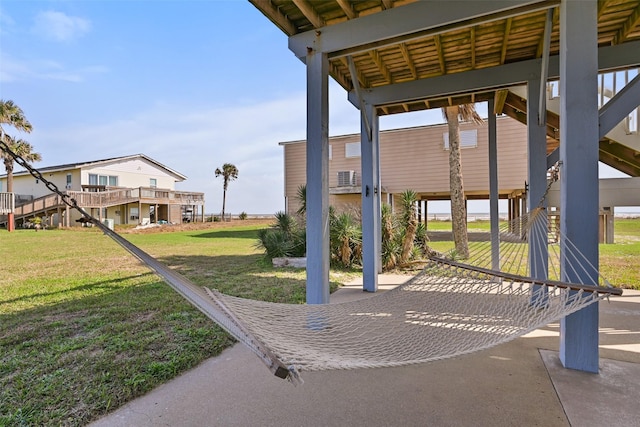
(370, 160)
(537, 178)
(537, 155)
(494, 215)
(11, 221)
(317, 177)
(579, 171)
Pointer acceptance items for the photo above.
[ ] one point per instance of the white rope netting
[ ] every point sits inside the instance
(447, 310)
(444, 311)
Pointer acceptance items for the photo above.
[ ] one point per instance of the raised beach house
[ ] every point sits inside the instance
(133, 189)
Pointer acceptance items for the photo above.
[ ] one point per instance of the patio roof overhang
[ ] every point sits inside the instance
(415, 55)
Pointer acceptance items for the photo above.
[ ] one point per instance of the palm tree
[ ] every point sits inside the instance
(453, 114)
(23, 149)
(11, 114)
(408, 201)
(301, 195)
(229, 173)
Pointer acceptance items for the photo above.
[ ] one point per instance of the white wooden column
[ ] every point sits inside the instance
(317, 178)
(370, 161)
(579, 170)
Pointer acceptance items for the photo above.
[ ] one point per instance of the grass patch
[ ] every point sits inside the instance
(84, 327)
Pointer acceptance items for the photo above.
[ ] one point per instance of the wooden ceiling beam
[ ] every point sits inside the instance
(473, 47)
(443, 66)
(347, 9)
(409, 61)
(499, 99)
(505, 39)
(277, 17)
(375, 57)
(601, 7)
(364, 82)
(310, 13)
(627, 27)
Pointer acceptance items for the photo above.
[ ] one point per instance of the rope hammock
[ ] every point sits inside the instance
(448, 309)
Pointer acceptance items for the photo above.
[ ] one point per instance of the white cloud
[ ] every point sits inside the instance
(14, 70)
(60, 27)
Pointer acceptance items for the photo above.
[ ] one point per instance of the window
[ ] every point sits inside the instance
(105, 180)
(153, 183)
(68, 186)
(352, 149)
(134, 214)
(468, 139)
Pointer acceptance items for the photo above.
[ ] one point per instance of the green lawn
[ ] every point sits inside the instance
(620, 262)
(84, 327)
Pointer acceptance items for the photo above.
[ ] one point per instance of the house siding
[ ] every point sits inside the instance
(131, 174)
(415, 158)
(28, 185)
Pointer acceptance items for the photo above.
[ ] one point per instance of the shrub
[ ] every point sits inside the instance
(285, 238)
(243, 216)
(346, 240)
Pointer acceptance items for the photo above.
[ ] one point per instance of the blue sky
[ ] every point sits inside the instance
(192, 84)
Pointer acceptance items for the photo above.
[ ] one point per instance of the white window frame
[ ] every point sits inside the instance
(153, 182)
(352, 150)
(468, 139)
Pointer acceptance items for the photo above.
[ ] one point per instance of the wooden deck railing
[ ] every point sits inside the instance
(7, 203)
(104, 199)
(43, 203)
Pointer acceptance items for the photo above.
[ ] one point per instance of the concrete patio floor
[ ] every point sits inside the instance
(521, 383)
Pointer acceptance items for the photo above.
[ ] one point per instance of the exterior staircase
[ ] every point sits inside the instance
(620, 148)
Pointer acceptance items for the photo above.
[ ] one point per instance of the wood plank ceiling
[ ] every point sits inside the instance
(484, 45)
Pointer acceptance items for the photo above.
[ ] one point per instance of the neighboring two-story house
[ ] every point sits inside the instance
(417, 158)
(127, 190)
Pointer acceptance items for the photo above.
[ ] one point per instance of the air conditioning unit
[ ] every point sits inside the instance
(346, 178)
